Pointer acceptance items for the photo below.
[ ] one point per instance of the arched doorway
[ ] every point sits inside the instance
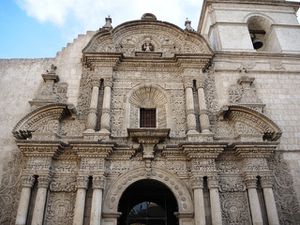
(147, 202)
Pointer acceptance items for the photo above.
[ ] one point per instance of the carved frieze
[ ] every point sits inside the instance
(231, 184)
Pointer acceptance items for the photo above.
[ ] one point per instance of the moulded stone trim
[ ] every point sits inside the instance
(176, 186)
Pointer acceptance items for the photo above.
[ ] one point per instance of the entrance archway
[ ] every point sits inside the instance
(148, 202)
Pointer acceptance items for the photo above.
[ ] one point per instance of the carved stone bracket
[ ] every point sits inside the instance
(148, 138)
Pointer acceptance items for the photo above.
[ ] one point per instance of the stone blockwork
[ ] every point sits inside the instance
(223, 134)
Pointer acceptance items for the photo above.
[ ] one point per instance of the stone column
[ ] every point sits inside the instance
(92, 116)
(82, 182)
(203, 117)
(190, 109)
(251, 183)
(199, 208)
(27, 184)
(213, 185)
(40, 201)
(267, 185)
(96, 211)
(105, 117)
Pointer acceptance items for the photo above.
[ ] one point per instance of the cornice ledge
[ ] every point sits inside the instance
(254, 149)
(203, 150)
(108, 59)
(92, 149)
(31, 148)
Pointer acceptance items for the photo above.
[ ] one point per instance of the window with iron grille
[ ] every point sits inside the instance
(147, 117)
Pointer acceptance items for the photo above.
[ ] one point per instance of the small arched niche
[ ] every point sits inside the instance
(260, 33)
(148, 105)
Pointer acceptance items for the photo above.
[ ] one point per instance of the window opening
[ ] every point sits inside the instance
(147, 118)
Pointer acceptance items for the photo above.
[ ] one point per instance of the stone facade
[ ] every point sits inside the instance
(226, 136)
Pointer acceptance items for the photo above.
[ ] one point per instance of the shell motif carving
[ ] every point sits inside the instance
(148, 97)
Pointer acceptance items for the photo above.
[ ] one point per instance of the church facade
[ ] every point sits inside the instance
(150, 124)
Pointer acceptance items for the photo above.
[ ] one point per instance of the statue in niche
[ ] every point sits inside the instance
(147, 46)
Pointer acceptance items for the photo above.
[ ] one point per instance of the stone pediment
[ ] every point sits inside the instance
(247, 125)
(42, 121)
(148, 36)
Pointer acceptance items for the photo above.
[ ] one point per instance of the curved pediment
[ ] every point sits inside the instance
(148, 35)
(248, 124)
(41, 120)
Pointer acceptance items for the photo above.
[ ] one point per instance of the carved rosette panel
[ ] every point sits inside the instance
(235, 210)
(10, 189)
(60, 208)
(285, 195)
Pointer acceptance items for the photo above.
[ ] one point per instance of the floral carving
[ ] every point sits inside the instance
(285, 195)
(235, 210)
(10, 188)
(60, 208)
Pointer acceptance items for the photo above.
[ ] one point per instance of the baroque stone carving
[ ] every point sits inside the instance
(115, 191)
(231, 184)
(167, 39)
(285, 196)
(10, 187)
(235, 210)
(244, 93)
(60, 208)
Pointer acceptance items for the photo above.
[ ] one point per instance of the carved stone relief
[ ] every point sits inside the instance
(285, 196)
(85, 91)
(60, 208)
(235, 210)
(244, 93)
(10, 189)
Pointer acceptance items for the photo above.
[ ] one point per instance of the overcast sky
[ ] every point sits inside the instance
(40, 28)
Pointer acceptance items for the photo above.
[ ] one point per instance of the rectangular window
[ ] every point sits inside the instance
(147, 117)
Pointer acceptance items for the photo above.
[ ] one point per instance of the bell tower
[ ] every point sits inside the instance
(250, 26)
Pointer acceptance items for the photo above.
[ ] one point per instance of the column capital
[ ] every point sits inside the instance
(27, 181)
(197, 182)
(213, 182)
(43, 181)
(250, 181)
(82, 182)
(96, 82)
(266, 181)
(199, 83)
(98, 182)
(188, 83)
(108, 82)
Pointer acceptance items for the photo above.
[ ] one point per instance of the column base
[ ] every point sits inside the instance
(93, 136)
(104, 132)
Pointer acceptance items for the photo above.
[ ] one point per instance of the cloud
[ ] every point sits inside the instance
(90, 14)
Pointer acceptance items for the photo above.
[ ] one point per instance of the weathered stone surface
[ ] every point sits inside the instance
(104, 78)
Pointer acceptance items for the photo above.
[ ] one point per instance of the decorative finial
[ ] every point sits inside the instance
(108, 22)
(187, 25)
